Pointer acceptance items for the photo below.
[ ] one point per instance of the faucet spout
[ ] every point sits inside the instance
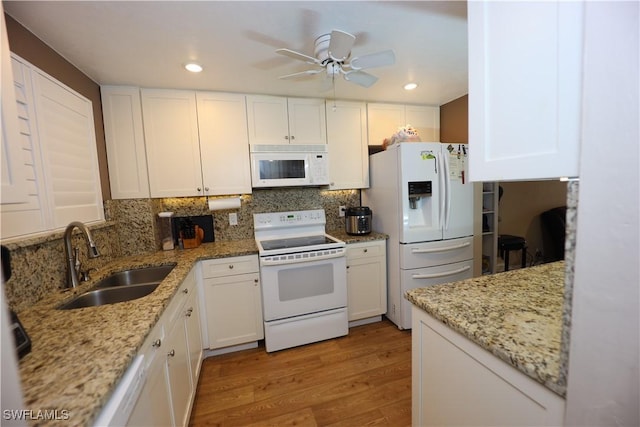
(72, 272)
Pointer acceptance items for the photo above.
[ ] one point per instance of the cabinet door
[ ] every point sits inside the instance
(307, 121)
(173, 151)
(383, 120)
(425, 120)
(194, 336)
(525, 78)
(153, 405)
(234, 310)
(178, 374)
(224, 144)
(267, 119)
(347, 143)
(367, 279)
(122, 112)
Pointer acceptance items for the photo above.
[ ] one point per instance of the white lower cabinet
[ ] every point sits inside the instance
(232, 301)
(172, 357)
(367, 279)
(456, 382)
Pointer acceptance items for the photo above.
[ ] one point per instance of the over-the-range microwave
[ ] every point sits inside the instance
(289, 165)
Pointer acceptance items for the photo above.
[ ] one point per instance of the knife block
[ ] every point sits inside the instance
(195, 242)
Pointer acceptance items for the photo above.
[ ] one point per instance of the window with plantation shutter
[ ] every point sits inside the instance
(59, 156)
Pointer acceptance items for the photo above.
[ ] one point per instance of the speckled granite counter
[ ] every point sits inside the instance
(78, 356)
(348, 238)
(516, 315)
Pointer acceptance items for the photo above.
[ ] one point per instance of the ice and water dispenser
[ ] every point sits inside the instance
(418, 190)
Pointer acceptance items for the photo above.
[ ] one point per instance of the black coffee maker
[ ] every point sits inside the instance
(22, 340)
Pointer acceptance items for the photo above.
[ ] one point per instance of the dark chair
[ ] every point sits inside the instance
(553, 233)
(507, 243)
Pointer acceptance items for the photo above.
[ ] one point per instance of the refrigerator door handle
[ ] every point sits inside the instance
(442, 189)
(441, 249)
(442, 274)
(447, 191)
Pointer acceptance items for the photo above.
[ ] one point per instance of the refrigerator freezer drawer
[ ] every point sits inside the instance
(429, 254)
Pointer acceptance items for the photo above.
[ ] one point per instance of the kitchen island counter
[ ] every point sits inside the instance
(79, 356)
(515, 315)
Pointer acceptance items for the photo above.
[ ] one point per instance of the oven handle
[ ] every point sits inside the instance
(266, 261)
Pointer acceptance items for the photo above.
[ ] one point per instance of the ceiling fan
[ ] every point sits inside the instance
(331, 54)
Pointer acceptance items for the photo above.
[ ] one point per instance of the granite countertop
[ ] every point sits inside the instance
(516, 315)
(79, 356)
(340, 234)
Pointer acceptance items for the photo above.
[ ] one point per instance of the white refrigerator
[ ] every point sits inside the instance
(421, 197)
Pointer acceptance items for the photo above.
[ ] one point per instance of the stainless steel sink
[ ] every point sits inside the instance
(136, 276)
(122, 286)
(109, 296)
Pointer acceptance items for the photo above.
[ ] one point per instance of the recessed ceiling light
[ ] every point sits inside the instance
(193, 67)
(410, 86)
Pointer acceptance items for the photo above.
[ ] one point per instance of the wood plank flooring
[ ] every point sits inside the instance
(361, 379)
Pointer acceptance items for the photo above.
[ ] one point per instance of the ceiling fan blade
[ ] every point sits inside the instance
(379, 59)
(302, 73)
(297, 55)
(340, 45)
(360, 77)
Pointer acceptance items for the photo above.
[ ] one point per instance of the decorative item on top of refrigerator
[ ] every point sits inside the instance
(424, 202)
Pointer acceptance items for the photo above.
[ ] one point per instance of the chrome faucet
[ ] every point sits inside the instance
(73, 261)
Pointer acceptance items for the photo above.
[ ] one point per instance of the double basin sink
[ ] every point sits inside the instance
(122, 286)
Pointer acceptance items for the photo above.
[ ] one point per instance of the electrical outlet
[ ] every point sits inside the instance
(233, 218)
(341, 210)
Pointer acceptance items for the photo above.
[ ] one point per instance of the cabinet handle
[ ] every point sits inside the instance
(255, 282)
(293, 137)
(230, 266)
(286, 137)
(157, 343)
(199, 189)
(185, 291)
(172, 353)
(206, 188)
(189, 311)
(365, 251)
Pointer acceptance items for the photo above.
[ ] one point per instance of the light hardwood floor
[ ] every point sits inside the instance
(360, 379)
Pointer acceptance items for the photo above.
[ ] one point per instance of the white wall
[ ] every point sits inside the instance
(603, 378)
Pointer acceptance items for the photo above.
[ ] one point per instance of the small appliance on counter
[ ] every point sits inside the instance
(22, 340)
(357, 220)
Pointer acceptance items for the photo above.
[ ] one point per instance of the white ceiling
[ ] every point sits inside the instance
(146, 43)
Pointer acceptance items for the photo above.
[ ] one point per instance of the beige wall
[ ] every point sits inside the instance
(28, 46)
(521, 205)
(454, 123)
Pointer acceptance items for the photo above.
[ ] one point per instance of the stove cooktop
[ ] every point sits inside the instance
(296, 242)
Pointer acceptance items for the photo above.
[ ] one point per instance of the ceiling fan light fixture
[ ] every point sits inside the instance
(410, 86)
(193, 67)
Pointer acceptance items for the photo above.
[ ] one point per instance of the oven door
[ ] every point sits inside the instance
(303, 287)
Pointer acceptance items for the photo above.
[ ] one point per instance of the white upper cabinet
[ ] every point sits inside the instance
(525, 79)
(385, 119)
(123, 130)
(347, 143)
(14, 185)
(172, 145)
(280, 120)
(224, 146)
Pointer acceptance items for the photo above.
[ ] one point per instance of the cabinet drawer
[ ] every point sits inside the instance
(366, 250)
(428, 254)
(229, 266)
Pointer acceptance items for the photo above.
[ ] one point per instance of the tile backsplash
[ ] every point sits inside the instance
(132, 228)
